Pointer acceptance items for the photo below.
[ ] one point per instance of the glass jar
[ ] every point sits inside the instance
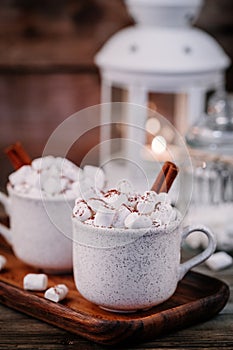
(210, 144)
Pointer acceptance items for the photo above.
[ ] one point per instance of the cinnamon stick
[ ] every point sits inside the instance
(165, 178)
(17, 155)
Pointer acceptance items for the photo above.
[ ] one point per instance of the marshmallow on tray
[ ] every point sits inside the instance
(219, 261)
(56, 293)
(2, 262)
(35, 281)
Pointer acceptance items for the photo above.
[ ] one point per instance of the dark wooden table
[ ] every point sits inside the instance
(23, 332)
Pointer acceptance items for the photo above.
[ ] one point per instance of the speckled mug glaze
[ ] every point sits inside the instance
(41, 231)
(124, 270)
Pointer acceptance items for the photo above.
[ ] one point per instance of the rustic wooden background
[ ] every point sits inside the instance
(47, 71)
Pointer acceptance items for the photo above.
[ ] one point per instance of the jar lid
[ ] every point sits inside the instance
(214, 131)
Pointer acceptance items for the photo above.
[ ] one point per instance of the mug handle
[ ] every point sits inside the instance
(5, 231)
(198, 259)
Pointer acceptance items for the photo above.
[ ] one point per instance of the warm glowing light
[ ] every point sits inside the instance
(153, 126)
(158, 144)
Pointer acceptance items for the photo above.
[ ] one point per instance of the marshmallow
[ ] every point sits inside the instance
(120, 216)
(125, 186)
(86, 189)
(219, 261)
(96, 203)
(135, 220)
(34, 192)
(104, 217)
(82, 211)
(145, 206)
(52, 183)
(96, 174)
(68, 169)
(90, 193)
(163, 213)
(51, 186)
(75, 189)
(35, 281)
(133, 199)
(22, 188)
(33, 179)
(163, 197)
(115, 198)
(42, 163)
(52, 171)
(20, 176)
(56, 293)
(63, 163)
(71, 173)
(2, 262)
(64, 183)
(68, 194)
(150, 196)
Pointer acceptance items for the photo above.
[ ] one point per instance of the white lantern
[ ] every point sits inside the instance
(162, 53)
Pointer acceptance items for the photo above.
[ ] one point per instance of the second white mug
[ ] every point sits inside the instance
(40, 230)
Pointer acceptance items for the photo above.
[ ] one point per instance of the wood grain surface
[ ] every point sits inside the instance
(198, 298)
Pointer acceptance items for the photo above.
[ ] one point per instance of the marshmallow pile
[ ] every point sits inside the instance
(55, 176)
(123, 208)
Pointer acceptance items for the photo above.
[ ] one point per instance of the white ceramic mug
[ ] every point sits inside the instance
(40, 230)
(126, 270)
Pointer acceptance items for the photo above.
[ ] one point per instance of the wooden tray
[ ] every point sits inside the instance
(196, 299)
